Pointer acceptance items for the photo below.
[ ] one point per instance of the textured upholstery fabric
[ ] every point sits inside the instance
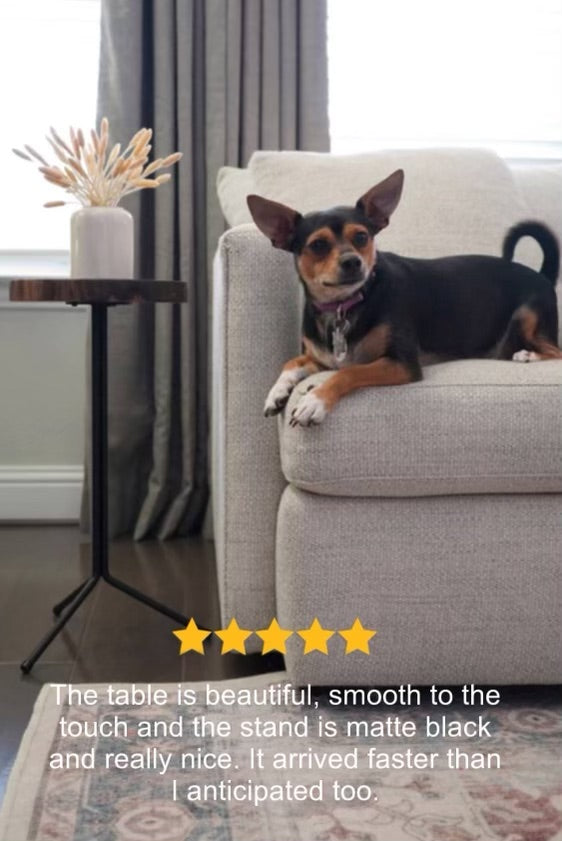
(541, 189)
(233, 185)
(451, 182)
(538, 189)
(459, 589)
(256, 328)
(471, 426)
(436, 214)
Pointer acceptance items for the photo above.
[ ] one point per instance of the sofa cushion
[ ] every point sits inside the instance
(455, 201)
(462, 589)
(233, 185)
(541, 189)
(451, 181)
(476, 426)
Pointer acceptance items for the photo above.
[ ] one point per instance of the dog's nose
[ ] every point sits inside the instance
(350, 262)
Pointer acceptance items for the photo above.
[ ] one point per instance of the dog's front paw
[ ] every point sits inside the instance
(309, 411)
(525, 356)
(278, 396)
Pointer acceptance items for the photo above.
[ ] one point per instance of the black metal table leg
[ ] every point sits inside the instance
(142, 597)
(99, 543)
(28, 664)
(60, 606)
(99, 501)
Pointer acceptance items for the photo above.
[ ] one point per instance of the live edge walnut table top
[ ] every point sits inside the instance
(74, 291)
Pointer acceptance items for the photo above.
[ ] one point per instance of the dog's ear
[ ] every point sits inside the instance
(380, 202)
(275, 220)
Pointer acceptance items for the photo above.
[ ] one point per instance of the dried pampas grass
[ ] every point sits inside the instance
(96, 175)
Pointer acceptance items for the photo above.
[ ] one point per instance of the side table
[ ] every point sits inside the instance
(98, 295)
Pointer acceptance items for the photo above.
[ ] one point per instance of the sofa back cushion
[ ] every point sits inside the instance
(455, 200)
(233, 185)
(541, 189)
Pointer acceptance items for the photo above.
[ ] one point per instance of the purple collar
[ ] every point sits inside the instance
(340, 307)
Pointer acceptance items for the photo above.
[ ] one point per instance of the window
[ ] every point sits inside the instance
(49, 70)
(435, 73)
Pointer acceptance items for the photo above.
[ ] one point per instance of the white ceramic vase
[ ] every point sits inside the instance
(101, 243)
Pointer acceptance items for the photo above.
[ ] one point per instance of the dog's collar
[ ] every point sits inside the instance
(339, 307)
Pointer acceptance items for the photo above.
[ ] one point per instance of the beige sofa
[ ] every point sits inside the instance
(432, 511)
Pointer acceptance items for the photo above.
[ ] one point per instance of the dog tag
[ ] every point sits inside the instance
(339, 340)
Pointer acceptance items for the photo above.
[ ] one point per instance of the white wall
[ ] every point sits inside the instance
(42, 408)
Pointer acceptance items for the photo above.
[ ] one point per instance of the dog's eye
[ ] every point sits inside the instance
(320, 247)
(360, 239)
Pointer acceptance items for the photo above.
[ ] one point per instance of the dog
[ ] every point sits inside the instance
(368, 314)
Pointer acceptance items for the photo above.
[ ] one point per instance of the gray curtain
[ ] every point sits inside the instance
(215, 80)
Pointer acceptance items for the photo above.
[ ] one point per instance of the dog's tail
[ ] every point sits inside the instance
(546, 240)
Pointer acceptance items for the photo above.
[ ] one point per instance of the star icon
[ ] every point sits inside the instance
(274, 638)
(357, 638)
(191, 637)
(316, 637)
(233, 638)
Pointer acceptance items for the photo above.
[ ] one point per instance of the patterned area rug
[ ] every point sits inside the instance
(522, 801)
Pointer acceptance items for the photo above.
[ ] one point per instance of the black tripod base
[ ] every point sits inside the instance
(73, 601)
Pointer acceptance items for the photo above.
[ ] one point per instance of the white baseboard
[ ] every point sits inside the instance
(40, 493)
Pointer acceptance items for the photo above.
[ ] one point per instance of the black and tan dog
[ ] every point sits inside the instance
(370, 314)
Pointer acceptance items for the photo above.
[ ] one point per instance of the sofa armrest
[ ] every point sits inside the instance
(256, 328)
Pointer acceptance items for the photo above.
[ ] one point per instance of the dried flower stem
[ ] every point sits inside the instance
(95, 173)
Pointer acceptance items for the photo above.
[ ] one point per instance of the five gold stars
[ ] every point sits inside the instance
(274, 637)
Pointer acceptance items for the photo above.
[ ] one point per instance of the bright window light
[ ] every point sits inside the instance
(437, 73)
(49, 72)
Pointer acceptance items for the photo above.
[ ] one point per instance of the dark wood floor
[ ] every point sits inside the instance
(111, 637)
